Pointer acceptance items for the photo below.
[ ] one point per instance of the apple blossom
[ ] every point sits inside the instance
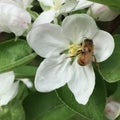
(23, 3)
(20, 3)
(98, 11)
(59, 46)
(112, 110)
(101, 12)
(50, 9)
(53, 8)
(8, 88)
(13, 18)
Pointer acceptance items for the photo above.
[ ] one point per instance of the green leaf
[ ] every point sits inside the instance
(116, 95)
(118, 118)
(77, 117)
(60, 112)
(110, 69)
(111, 88)
(46, 106)
(25, 71)
(94, 110)
(13, 111)
(14, 53)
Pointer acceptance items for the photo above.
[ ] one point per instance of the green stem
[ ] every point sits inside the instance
(16, 38)
(55, 20)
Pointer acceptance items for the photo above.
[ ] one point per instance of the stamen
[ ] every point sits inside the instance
(57, 4)
(73, 50)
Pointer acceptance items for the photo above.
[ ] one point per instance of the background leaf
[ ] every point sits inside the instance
(14, 53)
(118, 118)
(13, 111)
(94, 110)
(110, 69)
(116, 95)
(25, 71)
(47, 106)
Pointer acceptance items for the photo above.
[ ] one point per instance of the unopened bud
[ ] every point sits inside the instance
(101, 12)
(112, 110)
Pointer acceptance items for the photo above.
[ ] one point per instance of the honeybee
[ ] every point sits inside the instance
(86, 55)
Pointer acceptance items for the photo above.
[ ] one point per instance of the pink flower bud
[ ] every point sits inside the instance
(101, 12)
(112, 110)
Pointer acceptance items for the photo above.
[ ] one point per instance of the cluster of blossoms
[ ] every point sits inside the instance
(69, 48)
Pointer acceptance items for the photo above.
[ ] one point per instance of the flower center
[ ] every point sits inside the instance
(57, 4)
(83, 51)
(73, 50)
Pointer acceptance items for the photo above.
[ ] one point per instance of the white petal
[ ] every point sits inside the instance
(53, 73)
(6, 81)
(83, 4)
(10, 94)
(19, 3)
(13, 19)
(68, 6)
(47, 2)
(9, 2)
(24, 3)
(103, 45)
(79, 26)
(82, 83)
(47, 39)
(45, 17)
(27, 82)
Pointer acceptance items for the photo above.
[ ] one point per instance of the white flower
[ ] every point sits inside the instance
(58, 44)
(112, 110)
(13, 18)
(23, 3)
(98, 11)
(101, 12)
(73, 5)
(8, 88)
(51, 8)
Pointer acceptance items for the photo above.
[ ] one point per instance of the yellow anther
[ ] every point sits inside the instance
(73, 49)
(57, 4)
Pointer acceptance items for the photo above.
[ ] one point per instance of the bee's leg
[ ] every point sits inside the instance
(79, 52)
(71, 56)
(94, 59)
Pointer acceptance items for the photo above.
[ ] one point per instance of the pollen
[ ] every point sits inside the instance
(73, 49)
(57, 4)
